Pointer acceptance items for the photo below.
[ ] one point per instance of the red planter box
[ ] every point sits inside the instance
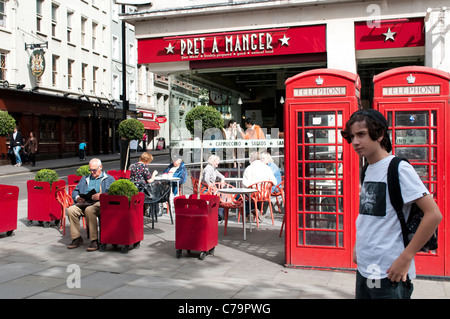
(121, 220)
(196, 226)
(9, 196)
(42, 203)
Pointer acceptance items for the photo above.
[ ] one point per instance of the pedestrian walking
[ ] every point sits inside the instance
(385, 265)
(82, 150)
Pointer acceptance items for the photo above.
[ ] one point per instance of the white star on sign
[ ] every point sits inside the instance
(284, 40)
(169, 49)
(389, 35)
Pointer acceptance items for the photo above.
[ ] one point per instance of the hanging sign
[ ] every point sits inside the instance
(160, 119)
(37, 63)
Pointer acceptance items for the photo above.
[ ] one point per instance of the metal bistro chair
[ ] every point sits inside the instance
(227, 201)
(157, 192)
(262, 195)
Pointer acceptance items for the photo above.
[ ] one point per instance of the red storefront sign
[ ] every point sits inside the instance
(388, 34)
(161, 119)
(254, 43)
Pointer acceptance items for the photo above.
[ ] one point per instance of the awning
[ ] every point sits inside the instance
(150, 125)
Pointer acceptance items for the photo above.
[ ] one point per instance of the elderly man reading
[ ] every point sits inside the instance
(86, 198)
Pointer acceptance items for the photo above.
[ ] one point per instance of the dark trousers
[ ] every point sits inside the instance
(382, 288)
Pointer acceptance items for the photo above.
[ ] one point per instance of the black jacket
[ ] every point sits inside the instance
(18, 141)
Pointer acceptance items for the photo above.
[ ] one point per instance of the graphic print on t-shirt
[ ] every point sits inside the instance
(373, 199)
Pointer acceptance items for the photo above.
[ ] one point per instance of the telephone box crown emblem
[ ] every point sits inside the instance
(319, 80)
(411, 79)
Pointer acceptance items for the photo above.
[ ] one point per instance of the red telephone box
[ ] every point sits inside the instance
(321, 169)
(415, 101)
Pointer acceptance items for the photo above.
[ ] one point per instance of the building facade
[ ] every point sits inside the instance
(62, 72)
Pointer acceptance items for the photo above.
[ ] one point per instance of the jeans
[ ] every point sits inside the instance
(16, 153)
(382, 288)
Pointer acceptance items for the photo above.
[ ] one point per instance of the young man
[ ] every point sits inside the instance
(385, 266)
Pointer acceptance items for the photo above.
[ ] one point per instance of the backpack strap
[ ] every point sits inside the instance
(363, 172)
(395, 194)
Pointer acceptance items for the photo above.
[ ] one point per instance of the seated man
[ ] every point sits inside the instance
(100, 182)
(176, 169)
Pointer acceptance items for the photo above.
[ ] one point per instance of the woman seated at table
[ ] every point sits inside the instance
(211, 173)
(176, 169)
(140, 171)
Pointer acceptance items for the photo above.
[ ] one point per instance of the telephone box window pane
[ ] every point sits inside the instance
(320, 238)
(300, 221)
(411, 137)
(323, 153)
(300, 203)
(414, 154)
(300, 186)
(321, 187)
(299, 136)
(300, 170)
(408, 118)
(320, 119)
(300, 237)
(341, 240)
(320, 136)
(341, 222)
(300, 152)
(299, 119)
(326, 170)
(312, 204)
(320, 221)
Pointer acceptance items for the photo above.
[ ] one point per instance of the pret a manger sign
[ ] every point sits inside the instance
(238, 44)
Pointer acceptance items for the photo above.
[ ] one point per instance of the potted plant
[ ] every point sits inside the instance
(42, 203)
(122, 216)
(129, 129)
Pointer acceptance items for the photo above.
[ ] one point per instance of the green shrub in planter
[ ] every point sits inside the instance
(131, 129)
(7, 123)
(46, 175)
(123, 187)
(83, 170)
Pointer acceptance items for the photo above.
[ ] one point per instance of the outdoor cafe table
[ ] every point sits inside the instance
(164, 177)
(236, 180)
(241, 191)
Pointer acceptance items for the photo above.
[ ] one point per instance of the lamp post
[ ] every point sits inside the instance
(124, 142)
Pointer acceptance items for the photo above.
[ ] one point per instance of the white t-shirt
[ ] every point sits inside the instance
(379, 238)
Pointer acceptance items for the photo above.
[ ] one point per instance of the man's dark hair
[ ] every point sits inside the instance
(249, 120)
(376, 125)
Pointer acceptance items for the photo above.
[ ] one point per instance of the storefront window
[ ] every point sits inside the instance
(48, 130)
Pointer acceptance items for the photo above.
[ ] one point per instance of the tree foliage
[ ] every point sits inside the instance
(131, 129)
(7, 123)
(210, 118)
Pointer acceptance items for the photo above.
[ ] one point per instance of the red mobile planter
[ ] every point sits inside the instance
(8, 213)
(42, 203)
(122, 221)
(415, 101)
(196, 226)
(321, 180)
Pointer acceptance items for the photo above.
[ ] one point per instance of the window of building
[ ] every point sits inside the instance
(69, 131)
(69, 25)
(70, 74)
(39, 14)
(116, 88)
(48, 130)
(54, 19)
(3, 13)
(3, 66)
(115, 47)
(83, 31)
(94, 79)
(94, 36)
(55, 70)
(83, 76)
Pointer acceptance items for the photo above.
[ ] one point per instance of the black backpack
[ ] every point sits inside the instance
(409, 227)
